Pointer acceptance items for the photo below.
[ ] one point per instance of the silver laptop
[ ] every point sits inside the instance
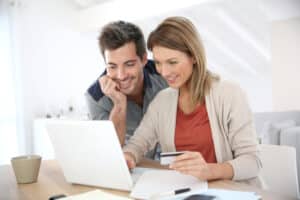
(89, 153)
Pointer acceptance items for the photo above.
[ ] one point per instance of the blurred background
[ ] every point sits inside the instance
(49, 55)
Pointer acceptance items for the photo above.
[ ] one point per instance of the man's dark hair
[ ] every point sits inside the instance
(116, 34)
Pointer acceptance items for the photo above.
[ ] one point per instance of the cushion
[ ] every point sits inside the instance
(291, 137)
(271, 131)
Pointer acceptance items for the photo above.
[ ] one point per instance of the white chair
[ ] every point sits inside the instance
(279, 169)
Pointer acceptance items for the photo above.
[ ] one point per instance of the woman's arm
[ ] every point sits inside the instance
(192, 163)
(242, 136)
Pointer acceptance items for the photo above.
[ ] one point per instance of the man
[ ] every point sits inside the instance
(130, 82)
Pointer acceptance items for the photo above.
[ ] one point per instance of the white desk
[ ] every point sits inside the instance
(51, 181)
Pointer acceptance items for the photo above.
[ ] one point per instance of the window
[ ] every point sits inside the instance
(8, 135)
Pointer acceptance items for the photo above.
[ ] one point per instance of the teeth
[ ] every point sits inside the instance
(171, 78)
(125, 84)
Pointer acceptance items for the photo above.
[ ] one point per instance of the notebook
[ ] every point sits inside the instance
(89, 153)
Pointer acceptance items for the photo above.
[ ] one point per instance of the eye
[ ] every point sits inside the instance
(157, 63)
(173, 62)
(130, 64)
(111, 67)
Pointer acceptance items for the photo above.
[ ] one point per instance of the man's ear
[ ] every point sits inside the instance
(145, 59)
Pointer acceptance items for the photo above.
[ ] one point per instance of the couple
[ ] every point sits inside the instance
(209, 119)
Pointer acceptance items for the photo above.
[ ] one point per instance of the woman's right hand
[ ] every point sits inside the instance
(130, 160)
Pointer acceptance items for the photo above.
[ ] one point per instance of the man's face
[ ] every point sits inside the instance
(125, 67)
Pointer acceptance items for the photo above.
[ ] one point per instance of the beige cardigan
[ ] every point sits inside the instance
(231, 123)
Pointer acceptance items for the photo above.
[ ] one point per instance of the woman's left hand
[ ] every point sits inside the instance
(192, 163)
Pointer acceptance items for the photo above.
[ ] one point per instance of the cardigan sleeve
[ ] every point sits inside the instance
(145, 136)
(242, 135)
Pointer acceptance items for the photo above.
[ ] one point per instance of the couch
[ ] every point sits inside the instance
(279, 128)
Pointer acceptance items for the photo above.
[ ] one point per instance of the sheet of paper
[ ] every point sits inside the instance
(154, 182)
(95, 195)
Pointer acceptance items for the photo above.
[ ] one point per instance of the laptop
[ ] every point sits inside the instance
(89, 153)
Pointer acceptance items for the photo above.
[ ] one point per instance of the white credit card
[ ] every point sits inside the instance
(167, 158)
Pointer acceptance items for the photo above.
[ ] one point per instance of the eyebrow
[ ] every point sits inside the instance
(155, 60)
(129, 61)
(110, 63)
(171, 58)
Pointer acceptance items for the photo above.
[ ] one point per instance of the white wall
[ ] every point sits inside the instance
(55, 63)
(236, 36)
(285, 39)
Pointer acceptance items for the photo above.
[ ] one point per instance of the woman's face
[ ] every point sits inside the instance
(175, 66)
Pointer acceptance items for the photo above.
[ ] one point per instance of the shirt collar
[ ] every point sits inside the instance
(149, 68)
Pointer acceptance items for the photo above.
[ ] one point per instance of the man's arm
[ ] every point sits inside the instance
(118, 117)
(102, 109)
(96, 111)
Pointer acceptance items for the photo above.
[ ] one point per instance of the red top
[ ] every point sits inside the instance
(193, 133)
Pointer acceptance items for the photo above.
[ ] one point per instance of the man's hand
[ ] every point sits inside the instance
(111, 89)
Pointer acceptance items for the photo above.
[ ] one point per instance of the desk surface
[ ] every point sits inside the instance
(51, 181)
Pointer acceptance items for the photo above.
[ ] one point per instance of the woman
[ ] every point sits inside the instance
(199, 114)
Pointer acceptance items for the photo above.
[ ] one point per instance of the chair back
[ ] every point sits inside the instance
(279, 169)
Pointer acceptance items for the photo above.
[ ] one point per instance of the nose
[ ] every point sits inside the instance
(121, 74)
(164, 71)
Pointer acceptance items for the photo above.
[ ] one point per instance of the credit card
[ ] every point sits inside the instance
(167, 158)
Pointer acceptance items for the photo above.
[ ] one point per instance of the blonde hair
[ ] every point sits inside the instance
(178, 33)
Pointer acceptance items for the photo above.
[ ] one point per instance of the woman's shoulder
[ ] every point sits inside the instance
(166, 95)
(225, 87)
(227, 93)
(167, 92)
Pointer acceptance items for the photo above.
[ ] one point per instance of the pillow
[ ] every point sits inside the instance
(271, 133)
(290, 136)
(263, 133)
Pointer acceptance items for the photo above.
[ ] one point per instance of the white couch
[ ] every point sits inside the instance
(280, 128)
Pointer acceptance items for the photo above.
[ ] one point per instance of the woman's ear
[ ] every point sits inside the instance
(194, 60)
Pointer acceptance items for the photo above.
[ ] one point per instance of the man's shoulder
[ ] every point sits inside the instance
(150, 67)
(95, 91)
(97, 99)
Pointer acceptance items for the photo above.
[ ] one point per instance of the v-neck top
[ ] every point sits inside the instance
(193, 133)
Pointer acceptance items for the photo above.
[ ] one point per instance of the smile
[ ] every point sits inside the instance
(171, 79)
(125, 84)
